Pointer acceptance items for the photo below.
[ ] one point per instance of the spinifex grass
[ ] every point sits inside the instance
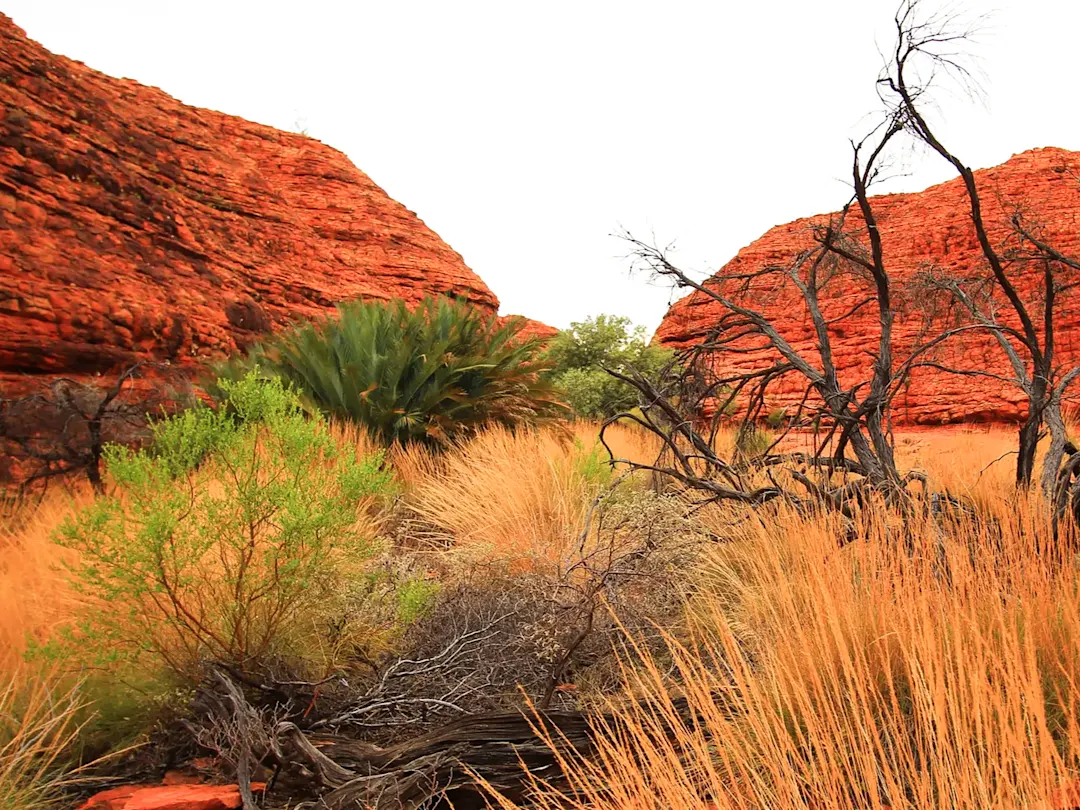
(946, 675)
(37, 725)
(520, 496)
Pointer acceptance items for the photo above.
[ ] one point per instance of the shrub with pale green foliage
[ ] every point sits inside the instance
(431, 374)
(227, 539)
(579, 356)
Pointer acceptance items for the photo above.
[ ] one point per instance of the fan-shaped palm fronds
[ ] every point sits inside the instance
(427, 374)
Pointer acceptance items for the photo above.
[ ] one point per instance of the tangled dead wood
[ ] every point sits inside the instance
(448, 765)
(456, 765)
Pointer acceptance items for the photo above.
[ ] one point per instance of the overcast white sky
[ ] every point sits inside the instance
(525, 133)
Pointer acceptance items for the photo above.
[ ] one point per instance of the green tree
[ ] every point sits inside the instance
(429, 374)
(225, 539)
(579, 356)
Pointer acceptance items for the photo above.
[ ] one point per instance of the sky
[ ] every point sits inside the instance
(526, 133)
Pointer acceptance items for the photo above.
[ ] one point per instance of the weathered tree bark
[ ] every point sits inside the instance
(1059, 439)
(1029, 441)
(1067, 493)
(452, 766)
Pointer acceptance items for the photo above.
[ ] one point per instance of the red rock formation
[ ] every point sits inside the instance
(135, 227)
(930, 226)
(170, 797)
(534, 329)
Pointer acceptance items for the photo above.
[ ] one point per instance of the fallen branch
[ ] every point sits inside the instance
(507, 752)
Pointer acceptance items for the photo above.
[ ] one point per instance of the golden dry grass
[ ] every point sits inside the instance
(510, 496)
(825, 678)
(37, 724)
(828, 678)
(34, 595)
(963, 460)
(519, 497)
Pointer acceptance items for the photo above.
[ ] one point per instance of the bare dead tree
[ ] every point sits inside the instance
(1067, 490)
(413, 692)
(239, 734)
(462, 763)
(841, 275)
(456, 763)
(845, 273)
(926, 47)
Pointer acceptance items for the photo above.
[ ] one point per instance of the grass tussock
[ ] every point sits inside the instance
(37, 727)
(516, 496)
(943, 675)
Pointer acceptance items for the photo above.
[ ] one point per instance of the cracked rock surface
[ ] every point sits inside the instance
(134, 227)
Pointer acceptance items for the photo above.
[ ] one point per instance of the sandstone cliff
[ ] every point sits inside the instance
(536, 329)
(932, 226)
(135, 227)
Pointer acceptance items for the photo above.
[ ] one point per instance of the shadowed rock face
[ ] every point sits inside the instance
(929, 227)
(135, 227)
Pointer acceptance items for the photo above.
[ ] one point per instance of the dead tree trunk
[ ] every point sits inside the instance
(929, 40)
(1059, 440)
(455, 766)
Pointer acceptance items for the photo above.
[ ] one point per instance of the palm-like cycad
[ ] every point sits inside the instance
(427, 374)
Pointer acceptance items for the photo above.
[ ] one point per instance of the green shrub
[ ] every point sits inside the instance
(415, 598)
(580, 354)
(592, 466)
(430, 374)
(751, 441)
(226, 539)
(776, 418)
(594, 394)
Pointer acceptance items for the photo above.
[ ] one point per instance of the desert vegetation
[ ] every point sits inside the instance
(582, 356)
(680, 655)
(426, 374)
(381, 566)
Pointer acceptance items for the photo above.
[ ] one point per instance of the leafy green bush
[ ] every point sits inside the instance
(226, 539)
(429, 374)
(415, 597)
(580, 354)
(592, 465)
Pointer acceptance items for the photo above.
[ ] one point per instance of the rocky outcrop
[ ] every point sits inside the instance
(929, 227)
(534, 329)
(134, 227)
(168, 797)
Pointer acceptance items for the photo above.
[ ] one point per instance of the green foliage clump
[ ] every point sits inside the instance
(431, 374)
(752, 441)
(592, 466)
(580, 354)
(414, 598)
(225, 540)
(776, 418)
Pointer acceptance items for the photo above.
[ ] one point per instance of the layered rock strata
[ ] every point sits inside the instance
(932, 228)
(134, 227)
